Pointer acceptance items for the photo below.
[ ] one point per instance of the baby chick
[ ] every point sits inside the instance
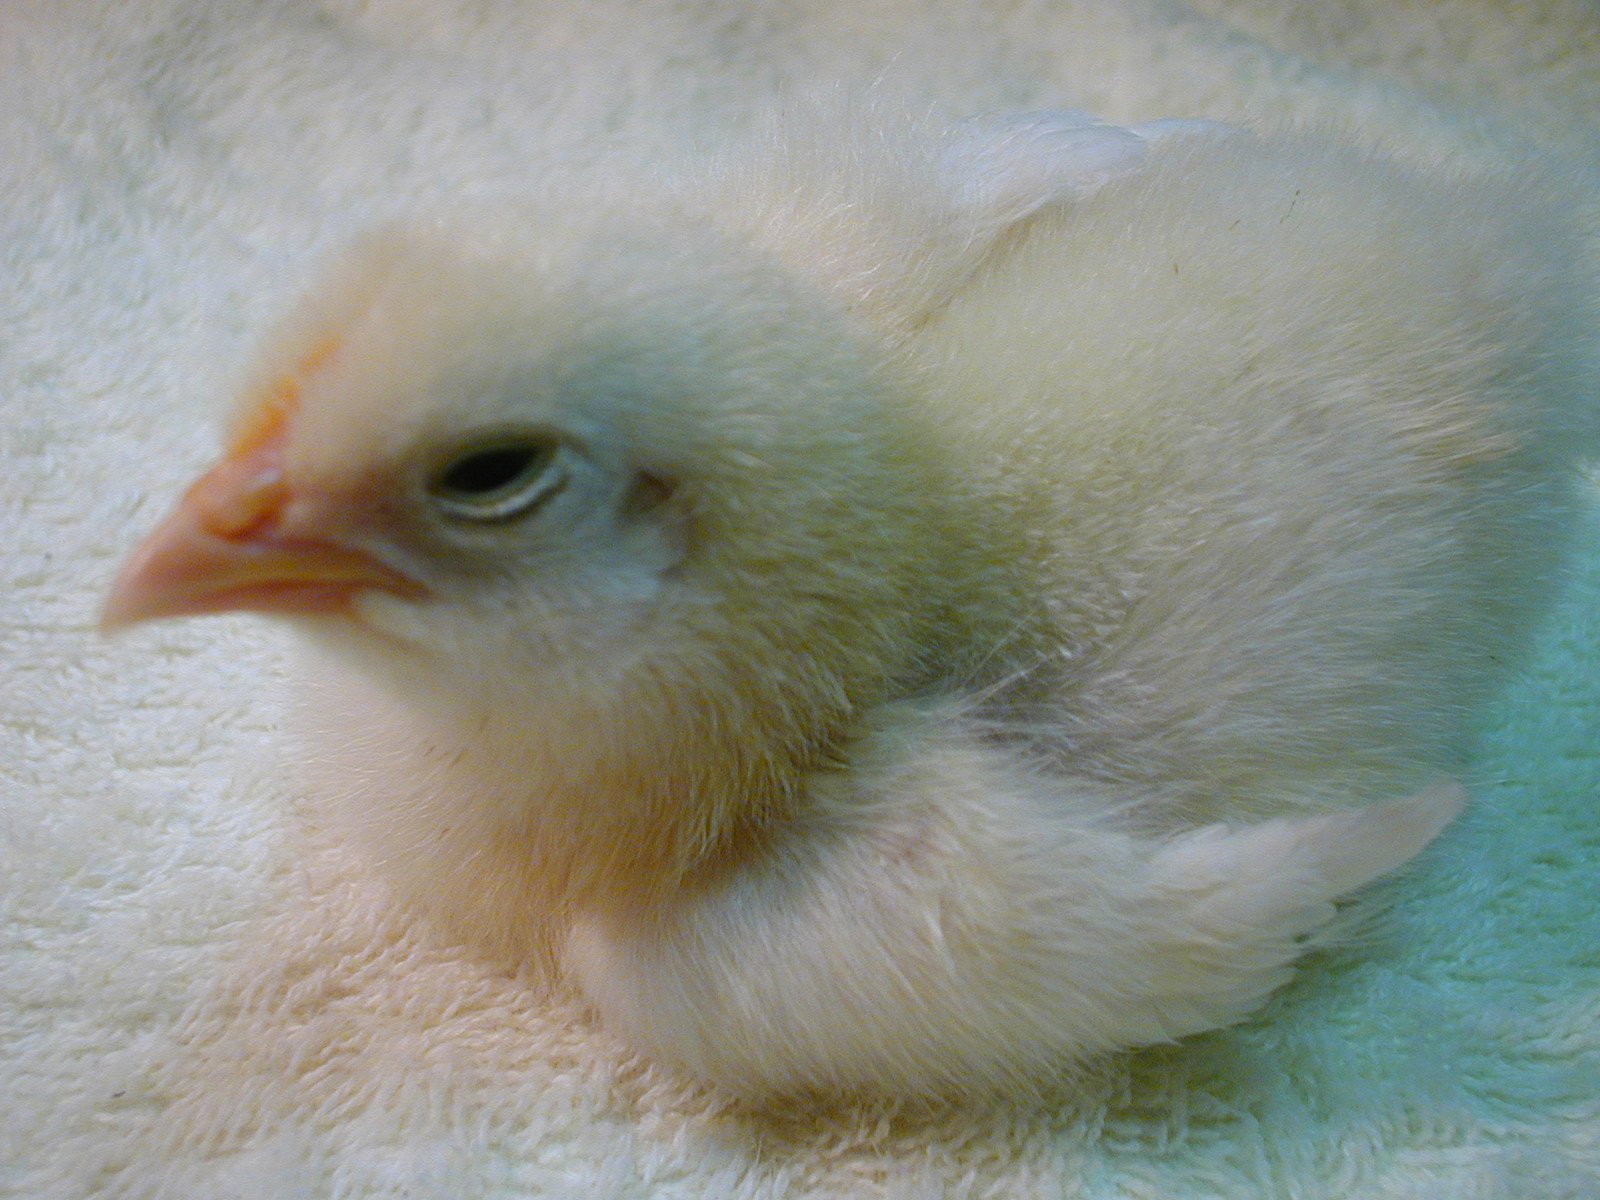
(910, 606)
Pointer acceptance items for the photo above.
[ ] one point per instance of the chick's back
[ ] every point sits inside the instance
(1283, 429)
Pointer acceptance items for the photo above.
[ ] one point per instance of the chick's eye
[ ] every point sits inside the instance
(497, 482)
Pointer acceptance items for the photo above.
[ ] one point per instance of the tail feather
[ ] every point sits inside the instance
(1241, 900)
(1272, 868)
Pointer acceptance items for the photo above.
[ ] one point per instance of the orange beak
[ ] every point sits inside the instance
(240, 540)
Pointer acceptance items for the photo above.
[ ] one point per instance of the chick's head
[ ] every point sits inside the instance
(618, 488)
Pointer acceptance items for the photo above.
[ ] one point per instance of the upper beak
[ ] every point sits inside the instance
(241, 540)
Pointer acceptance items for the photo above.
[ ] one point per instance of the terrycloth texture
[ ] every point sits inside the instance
(200, 996)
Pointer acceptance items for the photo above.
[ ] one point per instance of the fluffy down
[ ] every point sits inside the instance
(908, 606)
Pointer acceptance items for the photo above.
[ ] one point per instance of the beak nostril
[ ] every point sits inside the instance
(240, 495)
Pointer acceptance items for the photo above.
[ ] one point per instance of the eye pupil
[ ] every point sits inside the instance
(487, 471)
(498, 481)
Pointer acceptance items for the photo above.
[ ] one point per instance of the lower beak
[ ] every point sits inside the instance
(239, 541)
